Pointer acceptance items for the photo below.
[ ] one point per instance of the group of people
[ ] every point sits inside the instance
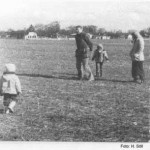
(84, 43)
(10, 86)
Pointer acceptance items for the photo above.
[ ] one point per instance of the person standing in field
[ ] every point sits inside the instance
(10, 88)
(83, 43)
(137, 57)
(100, 55)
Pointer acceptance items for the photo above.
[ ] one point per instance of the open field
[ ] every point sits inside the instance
(54, 106)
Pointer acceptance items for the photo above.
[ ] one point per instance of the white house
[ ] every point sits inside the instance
(89, 35)
(129, 37)
(31, 36)
(105, 37)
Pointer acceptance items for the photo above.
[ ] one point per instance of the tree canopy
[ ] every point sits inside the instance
(53, 29)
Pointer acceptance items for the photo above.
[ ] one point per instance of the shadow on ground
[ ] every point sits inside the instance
(66, 76)
(2, 111)
(57, 76)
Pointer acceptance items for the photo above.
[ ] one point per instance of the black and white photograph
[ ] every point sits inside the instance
(75, 72)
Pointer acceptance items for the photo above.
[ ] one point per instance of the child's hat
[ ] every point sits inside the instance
(10, 68)
(100, 46)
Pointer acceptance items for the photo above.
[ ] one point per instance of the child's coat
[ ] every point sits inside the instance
(99, 55)
(9, 82)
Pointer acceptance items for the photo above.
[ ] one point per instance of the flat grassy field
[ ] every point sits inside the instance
(55, 106)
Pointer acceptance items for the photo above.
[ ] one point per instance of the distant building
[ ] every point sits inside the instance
(71, 36)
(129, 37)
(31, 36)
(105, 37)
(89, 35)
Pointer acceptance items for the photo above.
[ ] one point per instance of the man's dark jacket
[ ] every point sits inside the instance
(83, 44)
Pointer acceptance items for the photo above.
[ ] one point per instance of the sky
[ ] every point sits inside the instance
(109, 14)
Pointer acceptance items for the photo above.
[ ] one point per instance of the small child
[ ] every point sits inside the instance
(99, 56)
(10, 87)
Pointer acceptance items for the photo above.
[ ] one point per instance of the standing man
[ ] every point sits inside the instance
(137, 57)
(83, 44)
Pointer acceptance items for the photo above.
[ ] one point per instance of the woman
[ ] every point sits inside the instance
(137, 57)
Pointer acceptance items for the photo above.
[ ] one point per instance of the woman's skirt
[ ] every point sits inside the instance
(137, 70)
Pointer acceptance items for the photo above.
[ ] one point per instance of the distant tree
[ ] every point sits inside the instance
(10, 30)
(90, 29)
(52, 29)
(3, 34)
(30, 29)
(40, 30)
(19, 34)
(119, 33)
(11, 33)
(41, 33)
(39, 27)
(71, 29)
(64, 32)
(130, 31)
(101, 31)
(111, 34)
(116, 34)
(148, 31)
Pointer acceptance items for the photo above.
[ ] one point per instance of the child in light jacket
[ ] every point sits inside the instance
(10, 87)
(100, 55)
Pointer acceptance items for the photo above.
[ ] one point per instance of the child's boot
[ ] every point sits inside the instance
(11, 106)
(6, 110)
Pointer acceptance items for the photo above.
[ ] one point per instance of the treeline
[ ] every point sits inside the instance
(53, 30)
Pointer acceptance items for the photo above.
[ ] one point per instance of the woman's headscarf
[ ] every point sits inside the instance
(136, 35)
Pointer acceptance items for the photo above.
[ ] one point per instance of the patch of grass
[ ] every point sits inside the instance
(54, 106)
